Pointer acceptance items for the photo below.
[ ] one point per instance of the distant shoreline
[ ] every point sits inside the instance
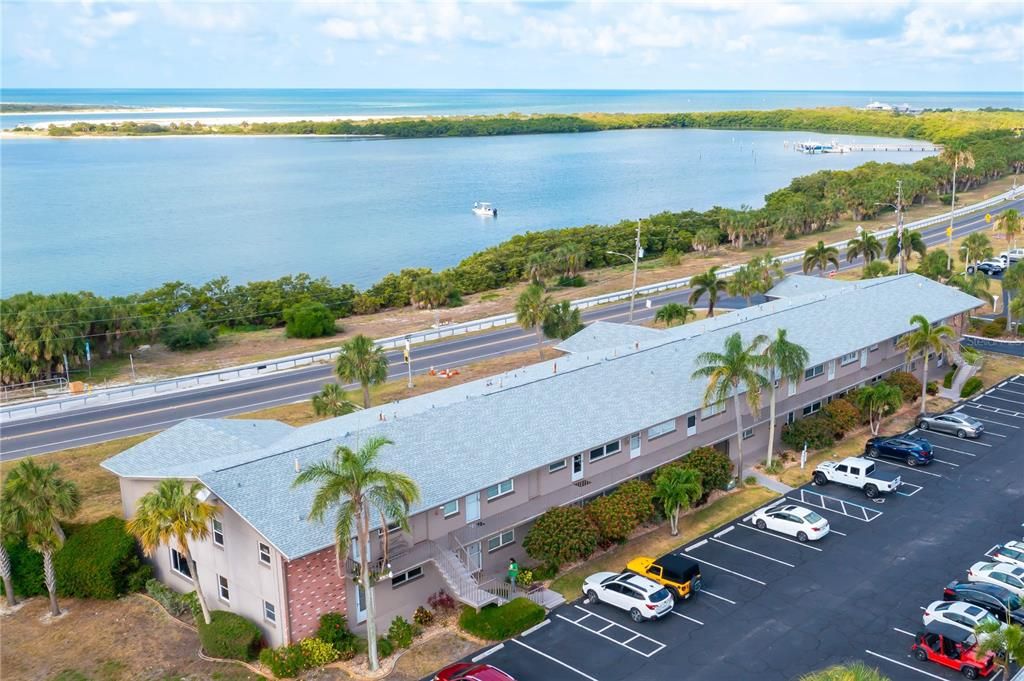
(71, 110)
(211, 121)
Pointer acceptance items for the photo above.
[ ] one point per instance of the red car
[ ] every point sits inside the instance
(952, 647)
(469, 671)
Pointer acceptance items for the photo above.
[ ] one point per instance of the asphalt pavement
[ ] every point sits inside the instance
(37, 435)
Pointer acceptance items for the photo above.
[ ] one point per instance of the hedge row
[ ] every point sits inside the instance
(499, 622)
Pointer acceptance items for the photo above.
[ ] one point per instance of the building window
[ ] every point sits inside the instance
(659, 429)
(264, 553)
(873, 347)
(392, 527)
(605, 451)
(691, 425)
(556, 466)
(848, 358)
(812, 408)
(180, 564)
(816, 370)
(500, 540)
(790, 417)
(407, 576)
(269, 612)
(222, 589)
(450, 509)
(748, 433)
(710, 410)
(499, 490)
(218, 533)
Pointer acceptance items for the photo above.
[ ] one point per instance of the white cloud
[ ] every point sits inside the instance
(91, 27)
(205, 16)
(39, 55)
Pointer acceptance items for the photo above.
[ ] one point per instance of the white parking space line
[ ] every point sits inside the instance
(1019, 403)
(996, 410)
(998, 423)
(657, 645)
(988, 554)
(1008, 389)
(699, 544)
(928, 433)
(755, 553)
(685, 617)
(903, 631)
(948, 463)
(916, 469)
(733, 572)
(830, 504)
(553, 659)
(490, 651)
(775, 536)
(917, 488)
(904, 664)
(950, 449)
(721, 598)
(831, 531)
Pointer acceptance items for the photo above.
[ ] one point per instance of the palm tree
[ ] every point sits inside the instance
(923, 340)
(678, 489)
(855, 671)
(866, 245)
(1013, 282)
(5, 559)
(877, 401)
(36, 500)
(707, 284)
(957, 155)
(572, 258)
(562, 321)
(1006, 640)
(538, 266)
(1009, 224)
(875, 269)
(671, 314)
(820, 257)
(913, 242)
(332, 401)
(173, 513)
(783, 359)
(430, 291)
(975, 284)
(352, 489)
(975, 247)
(532, 309)
(746, 283)
(728, 373)
(362, 362)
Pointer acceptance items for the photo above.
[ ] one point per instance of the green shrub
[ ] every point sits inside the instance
(638, 499)
(229, 636)
(542, 572)
(670, 258)
(817, 431)
(715, 468)
(425, 618)
(309, 319)
(172, 601)
(26, 569)
(612, 518)
(932, 388)
(908, 384)
(994, 328)
(574, 281)
(187, 331)
(284, 662)
(334, 630)
(971, 386)
(191, 601)
(561, 535)
(525, 579)
(499, 622)
(774, 467)
(750, 480)
(317, 653)
(384, 648)
(843, 415)
(401, 633)
(99, 561)
(947, 380)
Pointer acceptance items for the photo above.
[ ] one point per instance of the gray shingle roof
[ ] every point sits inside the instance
(466, 438)
(800, 284)
(600, 335)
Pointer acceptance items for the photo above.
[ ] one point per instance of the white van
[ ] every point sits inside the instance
(1011, 256)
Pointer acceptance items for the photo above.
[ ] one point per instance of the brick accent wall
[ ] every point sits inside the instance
(314, 588)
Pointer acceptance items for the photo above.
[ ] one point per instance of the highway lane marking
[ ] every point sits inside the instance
(755, 553)
(904, 664)
(553, 659)
(775, 536)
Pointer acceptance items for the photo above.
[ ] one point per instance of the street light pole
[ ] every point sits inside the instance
(899, 225)
(635, 259)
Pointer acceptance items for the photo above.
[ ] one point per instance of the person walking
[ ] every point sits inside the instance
(513, 572)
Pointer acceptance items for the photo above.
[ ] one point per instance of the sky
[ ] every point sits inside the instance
(709, 44)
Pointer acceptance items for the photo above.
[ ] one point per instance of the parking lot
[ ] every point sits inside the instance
(774, 608)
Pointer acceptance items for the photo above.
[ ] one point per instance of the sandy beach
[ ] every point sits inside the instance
(209, 120)
(115, 110)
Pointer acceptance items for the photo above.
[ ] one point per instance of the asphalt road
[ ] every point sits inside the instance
(37, 435)
(774, 609)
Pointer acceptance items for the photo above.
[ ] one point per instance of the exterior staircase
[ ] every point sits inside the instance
(460, 580)
(964, 371)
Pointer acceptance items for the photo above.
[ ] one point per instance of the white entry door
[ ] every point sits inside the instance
(360, 603)
(473, 507)
(474, 557)
(577, 467)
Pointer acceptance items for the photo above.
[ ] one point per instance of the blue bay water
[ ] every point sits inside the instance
(116, 215)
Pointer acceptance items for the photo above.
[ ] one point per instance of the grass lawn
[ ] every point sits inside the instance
(997, 367)
(661, 541)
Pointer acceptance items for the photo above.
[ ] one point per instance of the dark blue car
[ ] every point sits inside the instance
(913, 451)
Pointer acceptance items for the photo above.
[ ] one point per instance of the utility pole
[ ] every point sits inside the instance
(408, 361)
(637, 254)
(949, 230)
(902, 268)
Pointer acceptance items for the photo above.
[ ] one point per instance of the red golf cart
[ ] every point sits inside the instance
(952, 647)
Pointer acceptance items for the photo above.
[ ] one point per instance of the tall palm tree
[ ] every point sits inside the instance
(975, 247)
(36, 500)
(532, 309)
(5, 559)
(538, 266)
(923, 340)
(352, 489)
(174, 513)
(877, 401)
(783, 359)
(677, 488)
(866, 245)
(572, 258)
(819, 257)
(362, 361)
(671, 314)
(975, 284)
(746, 282)
(562, 321)
(913, 242)
(956, 154)
(768, 269)
(332, 401)
(1013, 283)
(730, 372)
(1006, 640)
(1009, 224)
(707, 284)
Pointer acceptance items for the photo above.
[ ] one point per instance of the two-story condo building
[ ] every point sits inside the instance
(492, 455)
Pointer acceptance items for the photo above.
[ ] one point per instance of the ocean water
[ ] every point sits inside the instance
(256, 103)
(116, 215)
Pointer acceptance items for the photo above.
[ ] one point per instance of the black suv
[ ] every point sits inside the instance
(999, 601)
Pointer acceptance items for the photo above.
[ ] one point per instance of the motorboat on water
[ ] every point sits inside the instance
(486, 209)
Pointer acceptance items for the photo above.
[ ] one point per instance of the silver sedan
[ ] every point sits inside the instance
(954, 423)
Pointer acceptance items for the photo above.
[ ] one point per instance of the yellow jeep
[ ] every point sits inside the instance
(677, 573)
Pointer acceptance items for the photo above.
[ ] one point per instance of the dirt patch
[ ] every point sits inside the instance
(119, 640)
(426, 658)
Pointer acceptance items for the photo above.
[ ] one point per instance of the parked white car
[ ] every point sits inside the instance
(642, 598)
(1011, 256)
(1001, 574)
(962, 615)
(1011, 553)
(796, 521)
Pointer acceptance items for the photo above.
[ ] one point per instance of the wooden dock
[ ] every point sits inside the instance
(812, 147)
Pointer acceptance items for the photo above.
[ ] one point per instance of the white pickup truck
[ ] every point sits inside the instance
(855, 471)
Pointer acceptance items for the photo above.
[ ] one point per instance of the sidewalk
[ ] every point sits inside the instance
(768, 482)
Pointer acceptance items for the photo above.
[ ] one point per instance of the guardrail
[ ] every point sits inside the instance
(256, 369)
